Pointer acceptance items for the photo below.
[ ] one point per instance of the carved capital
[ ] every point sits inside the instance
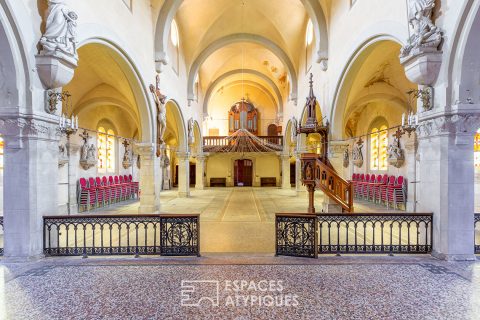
(16, 129)
(449, 124)
(145, 150)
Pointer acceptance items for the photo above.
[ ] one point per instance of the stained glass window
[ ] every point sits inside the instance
(106, 150)
(379, 149)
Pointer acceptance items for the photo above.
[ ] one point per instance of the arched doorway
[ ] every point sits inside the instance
(243, 173)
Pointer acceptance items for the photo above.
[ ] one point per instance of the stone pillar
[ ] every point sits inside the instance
(149, 177)
(73, 161)
(286, 171)
(200, 172)
(298, 173)
(446, 187)
(183, 174)
(30, 183)
(411, 158)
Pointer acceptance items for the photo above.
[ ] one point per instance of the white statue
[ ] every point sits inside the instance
(424, 32)
(60, 34)
(160, 101)
(293, 130)
(91, 154)
(191, 134)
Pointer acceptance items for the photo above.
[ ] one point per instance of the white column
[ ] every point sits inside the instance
(411, 158)
(183, 174)
(30, 183)
(73, 161)
(149, 179)
(446, 188)
(200, 172)
(286, 171)
(298, 173)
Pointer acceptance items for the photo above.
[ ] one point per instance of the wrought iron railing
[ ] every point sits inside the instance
(296, 235)
(1, 236)
(477, 230)
(375, 233)
(84, 235)
(372, 233)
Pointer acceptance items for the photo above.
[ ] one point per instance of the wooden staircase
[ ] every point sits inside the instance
(318, 173)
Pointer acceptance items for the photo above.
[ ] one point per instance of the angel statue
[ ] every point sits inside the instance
(293, 130)
(425, 34)
(60, 32)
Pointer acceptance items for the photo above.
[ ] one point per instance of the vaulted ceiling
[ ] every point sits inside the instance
(219, 36)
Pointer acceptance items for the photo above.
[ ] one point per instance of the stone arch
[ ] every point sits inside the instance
(236, 38)
(15, 80)
(170, 7)
(347, 77)
(259, 74)
(174, 110)
(463, 57)
(121, 56)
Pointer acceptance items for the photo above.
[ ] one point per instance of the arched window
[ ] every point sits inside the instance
(379, 148)
(174, 45)
(308, 45)
(476, 149)
(106, 150)
(1, 154)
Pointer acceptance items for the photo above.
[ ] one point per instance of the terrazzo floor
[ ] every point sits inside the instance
(267, 288)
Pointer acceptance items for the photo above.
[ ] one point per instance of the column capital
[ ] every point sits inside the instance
(183, 156)
(144, 148)
(15, 129)
(438, 124)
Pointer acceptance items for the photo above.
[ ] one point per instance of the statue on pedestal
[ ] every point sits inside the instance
(425, 34)
(61, 30)
(88, 155)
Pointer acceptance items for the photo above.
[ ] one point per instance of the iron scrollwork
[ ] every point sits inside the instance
(296, 235)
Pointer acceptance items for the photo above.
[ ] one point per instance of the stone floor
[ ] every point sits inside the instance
(238, 219)
(267, 288)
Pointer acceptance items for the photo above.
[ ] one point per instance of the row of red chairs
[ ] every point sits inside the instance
(384, 189)
(100, 192)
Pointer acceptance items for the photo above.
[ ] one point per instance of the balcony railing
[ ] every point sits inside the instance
(84, 235)
(310, 235)
(216, 141)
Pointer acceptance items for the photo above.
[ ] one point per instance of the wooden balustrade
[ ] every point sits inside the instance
(212, 141)
(334, 186)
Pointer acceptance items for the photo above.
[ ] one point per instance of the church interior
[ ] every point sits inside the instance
(316, 142)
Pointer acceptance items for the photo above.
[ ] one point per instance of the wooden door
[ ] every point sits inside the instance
(292, 174)
(193, 173)
(243, 173)
(272, 130)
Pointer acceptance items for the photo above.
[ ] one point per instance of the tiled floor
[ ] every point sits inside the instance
(273, 288)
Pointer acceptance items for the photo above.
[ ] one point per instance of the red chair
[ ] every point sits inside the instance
(86, 195)
(107, 190)
(116, 191)
(130, 186)
(119, 196)
(384, 190)
(365, 187)
(135, 188)
(125, 188)
(373, 187)
(377, 188)
(359, 185)
(396, 193)
(101, 192)
(93, 186)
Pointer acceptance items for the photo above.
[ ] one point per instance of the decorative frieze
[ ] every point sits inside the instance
(449, 124)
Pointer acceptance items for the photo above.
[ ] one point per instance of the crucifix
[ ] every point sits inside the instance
(160, 101)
